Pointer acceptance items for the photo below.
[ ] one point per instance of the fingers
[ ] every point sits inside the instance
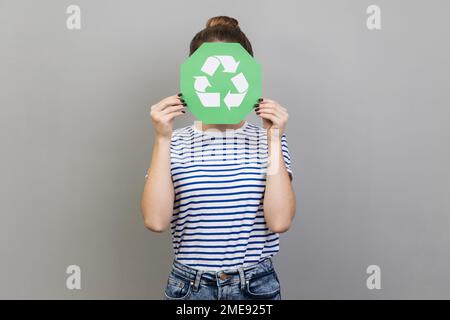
(268, 110)
(269, 102)
(168, 114)
(172, 115)
(271, 111)
(168, 108)
(269, 116)
(271, 108)
(265, 100)
(171, 109)
(167, 102)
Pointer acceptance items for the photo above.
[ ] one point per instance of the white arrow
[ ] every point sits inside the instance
(233, 99)
(212, 99)
(229, 64)
(240, 82)
(210, 66)
(209, 99)
(201, 83)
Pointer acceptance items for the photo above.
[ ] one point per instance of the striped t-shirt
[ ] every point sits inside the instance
(219, 180)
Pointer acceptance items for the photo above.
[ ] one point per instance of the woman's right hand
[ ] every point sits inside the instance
(163, 113)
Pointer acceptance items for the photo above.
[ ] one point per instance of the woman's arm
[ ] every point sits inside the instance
(279, 197)
(158, 195)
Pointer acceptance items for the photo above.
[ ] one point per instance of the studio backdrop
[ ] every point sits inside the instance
(366, 86)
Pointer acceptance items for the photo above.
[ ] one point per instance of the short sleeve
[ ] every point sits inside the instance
(286, 155)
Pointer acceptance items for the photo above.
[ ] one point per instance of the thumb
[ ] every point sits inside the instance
(266, 123)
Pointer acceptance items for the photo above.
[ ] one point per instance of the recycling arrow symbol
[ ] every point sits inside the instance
(220, 82)
(212, 99)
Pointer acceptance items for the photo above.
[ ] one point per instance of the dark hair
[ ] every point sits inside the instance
(221, 28)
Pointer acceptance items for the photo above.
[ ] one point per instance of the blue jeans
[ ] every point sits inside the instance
(258, 281)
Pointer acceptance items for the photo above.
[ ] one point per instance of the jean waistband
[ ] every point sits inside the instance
(195, 275)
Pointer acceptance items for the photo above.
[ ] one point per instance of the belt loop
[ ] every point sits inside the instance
(198, 277)
(269, 260)
(242, 277)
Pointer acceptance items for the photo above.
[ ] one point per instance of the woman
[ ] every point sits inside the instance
(224, 190)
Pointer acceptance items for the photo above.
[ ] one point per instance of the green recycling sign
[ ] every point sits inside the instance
(220, 82)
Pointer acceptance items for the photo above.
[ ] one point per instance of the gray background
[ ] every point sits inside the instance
(368, 133)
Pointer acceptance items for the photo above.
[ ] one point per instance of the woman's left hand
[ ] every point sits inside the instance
(273, 114)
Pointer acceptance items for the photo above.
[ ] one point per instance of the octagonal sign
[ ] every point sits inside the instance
(220, 82)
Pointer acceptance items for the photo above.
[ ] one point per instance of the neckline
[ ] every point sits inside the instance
(219, 133)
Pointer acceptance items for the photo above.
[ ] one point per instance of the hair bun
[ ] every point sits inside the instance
(222, 21)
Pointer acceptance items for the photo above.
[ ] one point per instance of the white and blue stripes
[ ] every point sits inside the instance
(219, 180)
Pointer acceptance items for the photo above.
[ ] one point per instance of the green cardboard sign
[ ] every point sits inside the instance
(220, 82)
